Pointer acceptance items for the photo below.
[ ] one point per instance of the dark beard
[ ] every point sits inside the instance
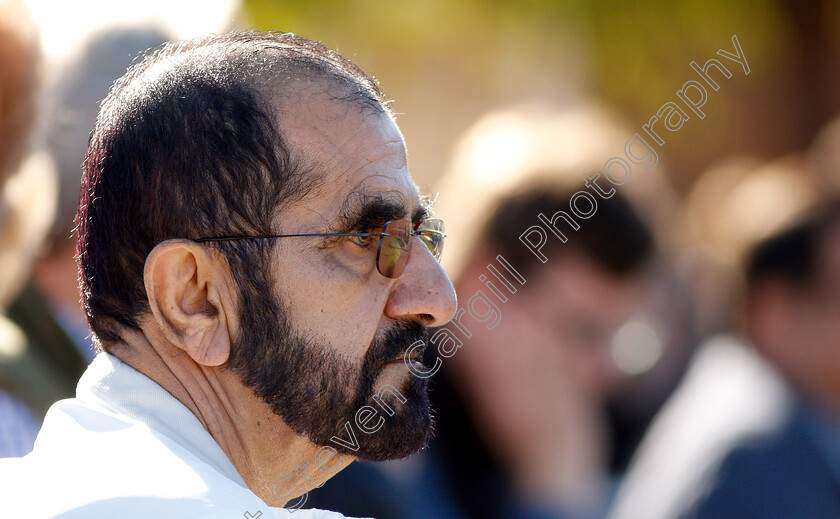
(316, 391)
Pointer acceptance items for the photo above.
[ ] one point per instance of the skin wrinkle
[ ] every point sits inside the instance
(352, 169)
(379, 152)
(319, 164)
(333, 143)
(230, 415)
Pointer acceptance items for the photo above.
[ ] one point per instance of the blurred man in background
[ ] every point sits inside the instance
(791, 311)
(27, 375)
(521, 407)
(46, 317)
(730, 392)
(49, 308)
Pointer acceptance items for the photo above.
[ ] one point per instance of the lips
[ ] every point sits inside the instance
(405, 343)
(415, 355)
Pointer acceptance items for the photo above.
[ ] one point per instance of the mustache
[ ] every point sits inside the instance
(390, 346)
(395, 343)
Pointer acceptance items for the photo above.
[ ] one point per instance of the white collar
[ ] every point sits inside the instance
(116, 386)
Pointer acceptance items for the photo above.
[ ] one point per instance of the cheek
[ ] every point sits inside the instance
(818, 326)
(813, 338)
(828, 337)
(348, 320)
(329, 304)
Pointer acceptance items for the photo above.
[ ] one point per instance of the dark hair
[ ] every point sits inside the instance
(186, 146)
(614, 237)
(791, 255)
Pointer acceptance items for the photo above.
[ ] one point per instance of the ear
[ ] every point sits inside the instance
(190, 293)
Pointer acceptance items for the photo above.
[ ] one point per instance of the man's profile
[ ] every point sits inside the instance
(255, 261)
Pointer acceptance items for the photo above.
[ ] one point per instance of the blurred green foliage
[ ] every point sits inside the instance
(454, 60)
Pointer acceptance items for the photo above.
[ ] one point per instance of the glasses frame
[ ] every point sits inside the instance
(416, 231)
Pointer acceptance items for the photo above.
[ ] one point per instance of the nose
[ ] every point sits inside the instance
(423, 292)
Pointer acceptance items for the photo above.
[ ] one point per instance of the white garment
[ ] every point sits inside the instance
(728, 394)
(125, 447)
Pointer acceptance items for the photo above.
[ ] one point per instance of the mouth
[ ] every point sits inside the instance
(405, 357)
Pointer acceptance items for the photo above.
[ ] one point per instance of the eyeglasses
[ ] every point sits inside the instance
(394, 242)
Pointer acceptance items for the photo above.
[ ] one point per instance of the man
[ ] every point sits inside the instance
(791, 317)
(255, 262)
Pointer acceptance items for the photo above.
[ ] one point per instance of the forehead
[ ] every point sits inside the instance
(354, 151)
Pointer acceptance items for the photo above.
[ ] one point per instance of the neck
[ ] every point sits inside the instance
(265, 451)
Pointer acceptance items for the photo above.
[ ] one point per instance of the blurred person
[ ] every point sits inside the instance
(730, 392)
(791, 317)
(533, 389)
(256, 265)
(49, 310)
(79, 67)
(47, 307)
(731, 207)
(523, 429)
(18, 427)
(26, 207)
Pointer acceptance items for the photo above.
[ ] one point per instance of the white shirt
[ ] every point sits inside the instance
(125, 447)
(729, 393)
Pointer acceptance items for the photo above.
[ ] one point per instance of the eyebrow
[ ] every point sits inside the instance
(423, 211)
(363, 211)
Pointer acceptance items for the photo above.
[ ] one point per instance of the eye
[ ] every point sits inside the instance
(364, 242)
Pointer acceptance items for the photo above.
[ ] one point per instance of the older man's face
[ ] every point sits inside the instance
(337, 329)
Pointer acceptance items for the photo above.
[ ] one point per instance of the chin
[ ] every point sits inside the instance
(407, 424)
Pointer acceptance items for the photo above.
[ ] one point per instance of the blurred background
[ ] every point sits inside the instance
(676, 348)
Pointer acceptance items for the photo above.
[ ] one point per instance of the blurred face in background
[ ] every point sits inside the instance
(798, 326)
(815, 321)
(536, 384)
(581, 305)
(560, 324)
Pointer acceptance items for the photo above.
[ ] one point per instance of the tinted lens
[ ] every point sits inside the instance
(431, 233)
(392, 255)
